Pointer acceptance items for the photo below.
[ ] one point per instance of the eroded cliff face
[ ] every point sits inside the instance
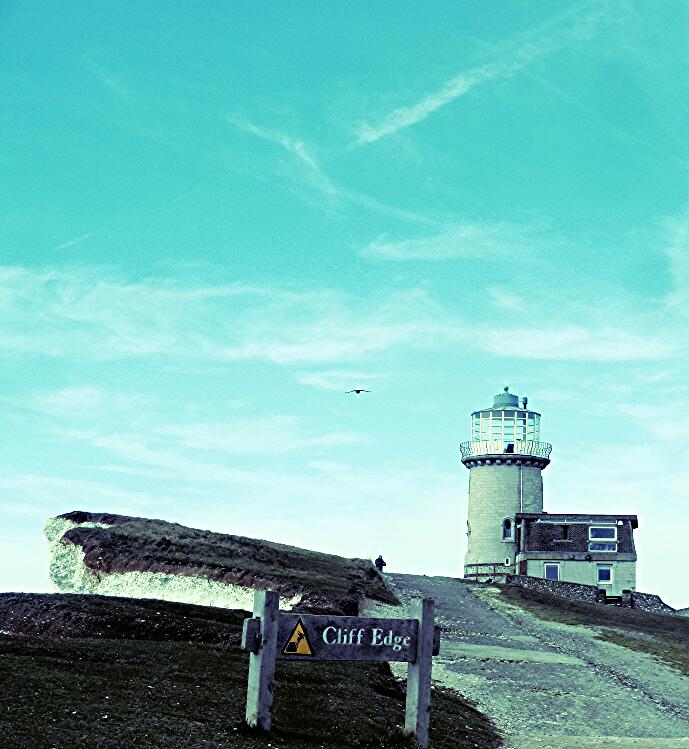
(135, 557)
(69, 573)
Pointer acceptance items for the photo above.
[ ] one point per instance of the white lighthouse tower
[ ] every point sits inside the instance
(505, 458)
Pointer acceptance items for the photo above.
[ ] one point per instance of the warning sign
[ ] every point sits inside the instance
(325, 637)
(298, 643)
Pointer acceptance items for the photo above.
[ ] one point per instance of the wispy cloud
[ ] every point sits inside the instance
(298, 149)
(293, 145)
(80, 402)
(204, 466)
(621, 132)
(312, 173)
(383, 209)
(677, 251)
(275, 435)
(72, 242)
(504, 298)
(337, 379)
(548, 38)
(553, 395)
(660, 419)
(574, 343)
(71, 399)
(403, 117)
(322, 480)
(460, 241)
(129, 470)
(114, 82)
(80, 315)
(45, 494)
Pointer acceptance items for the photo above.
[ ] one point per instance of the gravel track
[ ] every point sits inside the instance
(546, 684)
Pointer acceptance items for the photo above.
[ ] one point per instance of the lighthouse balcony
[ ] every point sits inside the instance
(531, 448)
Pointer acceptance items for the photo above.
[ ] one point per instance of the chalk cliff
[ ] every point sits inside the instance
(120, 555)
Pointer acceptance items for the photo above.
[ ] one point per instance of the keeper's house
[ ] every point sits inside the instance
(579, 548)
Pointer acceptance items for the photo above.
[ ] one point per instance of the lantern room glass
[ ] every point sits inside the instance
(506, 425)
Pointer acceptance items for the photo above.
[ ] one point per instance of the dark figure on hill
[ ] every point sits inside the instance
(380, 563)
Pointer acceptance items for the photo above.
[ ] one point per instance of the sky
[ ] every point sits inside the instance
(216, 218)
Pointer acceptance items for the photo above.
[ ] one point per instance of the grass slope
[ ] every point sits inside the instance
(664, 635)
(104, 689)
(131, 544)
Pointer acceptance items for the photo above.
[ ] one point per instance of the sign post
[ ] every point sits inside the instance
(259, 694)
(270, 635)
(417, 715)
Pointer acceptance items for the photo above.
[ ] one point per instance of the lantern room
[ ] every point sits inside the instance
(508, 426)
(508, 421)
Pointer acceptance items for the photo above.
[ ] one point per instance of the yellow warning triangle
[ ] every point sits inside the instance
(298, 643)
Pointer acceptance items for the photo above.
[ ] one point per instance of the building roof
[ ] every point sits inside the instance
(576, 517)
(507, 401)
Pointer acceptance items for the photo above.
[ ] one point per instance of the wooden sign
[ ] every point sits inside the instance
(346, 638)
(271, 635)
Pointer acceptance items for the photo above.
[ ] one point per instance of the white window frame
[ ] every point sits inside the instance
(605, 567)
(551, 564)
(602, 541)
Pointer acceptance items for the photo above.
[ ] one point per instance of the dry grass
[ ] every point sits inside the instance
(665, 636)
(118, 685)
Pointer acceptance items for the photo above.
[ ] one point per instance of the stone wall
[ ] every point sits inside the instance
(630, 598)
(556, 587)
(646, 602)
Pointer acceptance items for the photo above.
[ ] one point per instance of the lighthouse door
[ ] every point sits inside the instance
(522, 566)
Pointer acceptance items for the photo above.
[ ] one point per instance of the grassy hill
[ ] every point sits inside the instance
(131, 544)
(117, 673)
(664, 635)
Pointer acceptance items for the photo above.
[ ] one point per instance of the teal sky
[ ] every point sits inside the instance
(218, 216)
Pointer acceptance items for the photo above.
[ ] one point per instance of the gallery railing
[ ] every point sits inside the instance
(502, 447)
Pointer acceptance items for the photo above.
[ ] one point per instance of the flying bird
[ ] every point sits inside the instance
(359, 390)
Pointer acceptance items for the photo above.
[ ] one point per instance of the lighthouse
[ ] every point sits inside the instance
(505, 458)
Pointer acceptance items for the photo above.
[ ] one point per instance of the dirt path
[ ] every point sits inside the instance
(546, 684)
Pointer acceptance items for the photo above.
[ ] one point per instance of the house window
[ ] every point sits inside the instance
(606, 533)
(565, 533)
(551, 571)
(604, 574)
(602, 546)
(603, 538)
(506, 529)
